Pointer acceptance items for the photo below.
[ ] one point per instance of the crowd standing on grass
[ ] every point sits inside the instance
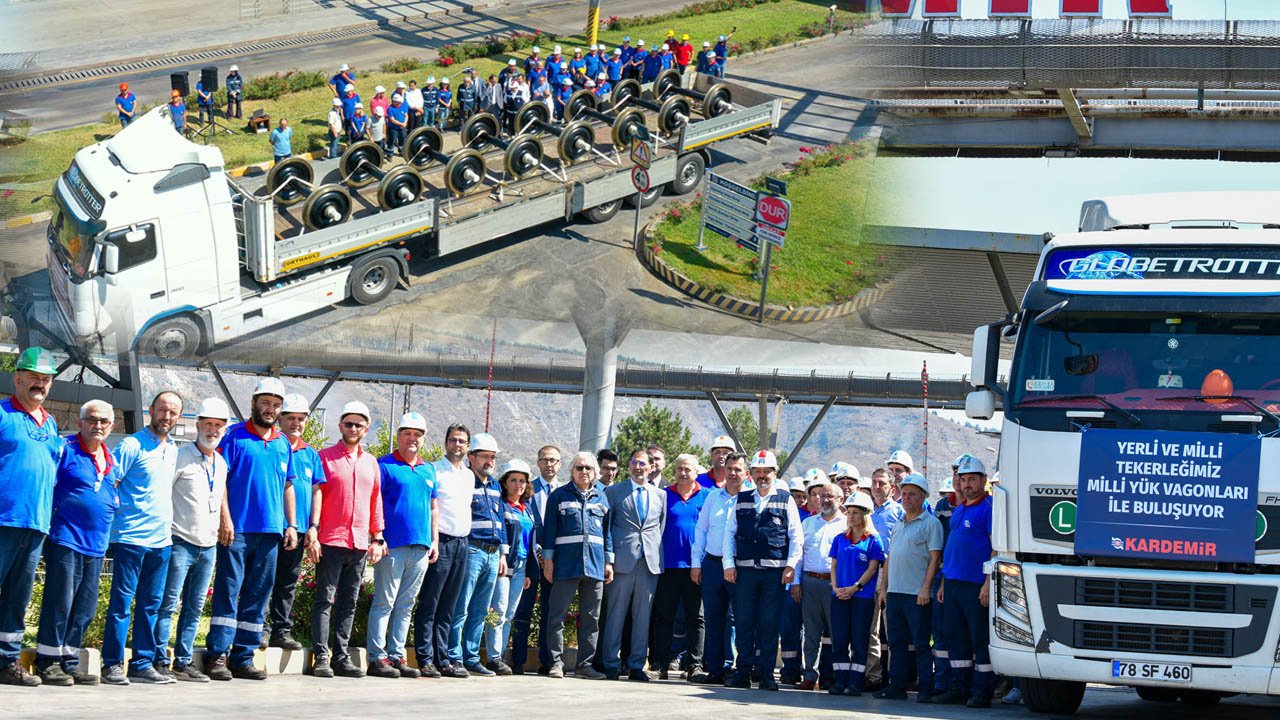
(864, 582)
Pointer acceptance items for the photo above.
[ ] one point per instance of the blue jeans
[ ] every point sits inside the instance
(190, 570)
(137, 577)
(758, 595)
(522, 623)
(396, 581)
(241, 590)
(19, 556)
(69, 604)
(851, 630)
(909, 625)
(433, 616)
(335, 144)
(472, 606)
(506, 600)
(966, 622)
(717, 607)
(941, 646)
(442, 117)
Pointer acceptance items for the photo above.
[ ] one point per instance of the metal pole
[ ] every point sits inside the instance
(593, 22)
(599, 379)
(924, 381)
(807, 434)
(724, 420)
(635, 232)
(702, 228)
(762, 411)
(764, 284)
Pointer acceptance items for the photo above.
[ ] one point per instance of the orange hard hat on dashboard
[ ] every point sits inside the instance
(1217, 384)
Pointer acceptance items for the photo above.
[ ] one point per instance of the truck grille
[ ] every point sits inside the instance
(1148, 595)
(1171, 640)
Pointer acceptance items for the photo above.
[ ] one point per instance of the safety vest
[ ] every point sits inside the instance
(761, 538)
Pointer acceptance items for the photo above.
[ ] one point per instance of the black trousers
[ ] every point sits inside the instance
(676, 589)
(433, 617)
(338, 576)
(280, 612)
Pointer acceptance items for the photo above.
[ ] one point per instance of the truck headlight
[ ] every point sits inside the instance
(1006, 630)
(1011, 594)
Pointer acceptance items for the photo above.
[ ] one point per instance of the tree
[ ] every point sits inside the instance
(743, 422)
(313, 433)
(653, 425)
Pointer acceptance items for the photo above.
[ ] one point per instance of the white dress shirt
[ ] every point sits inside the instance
(454, 489)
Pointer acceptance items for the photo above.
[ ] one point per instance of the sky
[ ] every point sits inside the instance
(1182, 9)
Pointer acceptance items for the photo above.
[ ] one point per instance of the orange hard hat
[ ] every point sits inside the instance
(124, 87)
(1217, 384)
(175, 93)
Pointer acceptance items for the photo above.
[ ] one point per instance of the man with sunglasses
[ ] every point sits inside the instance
(29, 451)
(350, 528)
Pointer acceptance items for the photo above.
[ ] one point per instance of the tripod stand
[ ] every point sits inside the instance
(212, 126)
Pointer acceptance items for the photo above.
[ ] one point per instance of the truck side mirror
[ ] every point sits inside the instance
(986, 355)
(110, 259)
(980, 405)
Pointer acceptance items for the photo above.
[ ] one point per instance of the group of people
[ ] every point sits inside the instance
(126, 102)
(711, 572)
(389, 119)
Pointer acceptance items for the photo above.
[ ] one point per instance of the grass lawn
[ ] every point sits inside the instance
(33, 165)
(823, 261)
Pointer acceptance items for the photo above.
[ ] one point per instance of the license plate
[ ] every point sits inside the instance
(1160, 672)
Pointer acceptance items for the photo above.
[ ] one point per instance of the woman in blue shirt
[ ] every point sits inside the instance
(518, 515)
(856, 556)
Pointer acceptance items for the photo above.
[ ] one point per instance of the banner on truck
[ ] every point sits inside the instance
(1167, 495)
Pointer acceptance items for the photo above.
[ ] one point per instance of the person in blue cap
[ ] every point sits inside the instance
(29, 453)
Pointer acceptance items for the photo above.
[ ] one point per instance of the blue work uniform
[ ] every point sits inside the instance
(485, 545)
(529, 63)
(125, 104)
(613, 67)
(577, 66)
(178, 113)
(592, 65)
(851, 619)
(575, 533)
(341, 80)
(967, 550)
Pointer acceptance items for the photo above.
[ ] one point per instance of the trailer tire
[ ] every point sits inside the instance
(174, 338)
(602, 212)
(372, 281)
(1200, 697)
(689, 171)
(1155, 694)
(648, 198)
(1055, 697)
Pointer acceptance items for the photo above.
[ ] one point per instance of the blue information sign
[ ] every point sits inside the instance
(1167, 495)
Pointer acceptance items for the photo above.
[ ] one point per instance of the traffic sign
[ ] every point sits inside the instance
(1062, 517)
(641, 153)
(773, 210)
(772, 235)
(729, 209)
(640, 179)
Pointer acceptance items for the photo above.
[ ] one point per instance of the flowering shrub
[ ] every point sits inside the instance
(271, 87)
(812, 158)
(401, 65)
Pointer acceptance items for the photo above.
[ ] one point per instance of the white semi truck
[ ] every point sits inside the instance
(1137, 514)
(154, 245)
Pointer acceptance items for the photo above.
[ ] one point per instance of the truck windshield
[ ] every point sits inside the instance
(73, 247)
(1145, 364)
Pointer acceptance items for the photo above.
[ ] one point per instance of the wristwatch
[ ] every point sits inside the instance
(379, 541)
(857, 587)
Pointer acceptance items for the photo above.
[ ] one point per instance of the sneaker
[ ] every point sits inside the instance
(150, 676)
(165, 671)
(83, 678)
(1013, 697)
(56, 676)
(589, 673)
(454, 671)
(403, 668)
(343, 667)
(284, 640)
(382, 668)
(114, 675)
(187, 673)
(216, 668)
(891, 693)
(248, 672)
(480, 670)
(555, 672)
(500, 668)
(429, 671)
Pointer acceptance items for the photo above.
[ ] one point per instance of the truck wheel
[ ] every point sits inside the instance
(689, 169)
(1200, 697)
(1055, 697)
(603, 212)
(374, 281)
(175, 338)
(648, 198)
(1154, 694)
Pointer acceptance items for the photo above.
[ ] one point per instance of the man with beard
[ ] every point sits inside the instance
(657, 463)
(199, 484)
(259, 504)
(814, 588)
(608, 462)
(141, 542)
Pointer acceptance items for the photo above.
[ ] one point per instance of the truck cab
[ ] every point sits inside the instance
(1137, 516)
(142, 237)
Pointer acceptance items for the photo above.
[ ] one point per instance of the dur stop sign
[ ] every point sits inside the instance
(773, 211)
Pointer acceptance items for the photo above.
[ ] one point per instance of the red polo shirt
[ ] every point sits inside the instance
(351, 509)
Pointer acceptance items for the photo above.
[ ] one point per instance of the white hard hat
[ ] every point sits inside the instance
(359, 106)
(617, 51)
(536, 49)
(901, 457)
(956, 463)
(666, 46)
(511, 61)
(603, 48)
(337, 102)
(947, 486)
(483, 442)
(844, 469)
(566, 81)
(431, 79)
(814, 477)
(724, 441)
(444, 81)
(215, 408)
(723, 38)
(864, 483)
(555, 50)
(640, 41)
(412, 421)
(516, 465)
(782, 485)
(296, 403)
(379, 89)
(343, 67)
(590, 83)
(355, 407)
(595, 46)
(971, 464)
(796, 484)
(400, 84)
(348, 88)
(706, 43)
(918, 480)
(269, 386)
(379, 111)
(764, 459)
(564, 65)
(577, 51)
(602, 76)
(711, 55)
(859, 500)
(235, 68)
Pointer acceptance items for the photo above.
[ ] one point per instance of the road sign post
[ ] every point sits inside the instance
(767, 254)
(642, 154)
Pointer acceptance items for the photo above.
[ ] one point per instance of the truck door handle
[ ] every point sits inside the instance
(157, 294)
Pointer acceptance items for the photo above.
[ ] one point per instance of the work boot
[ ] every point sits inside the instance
(950, 696)
(343, 667)
(150, 676)
(15, 674)
(216, 668)
(248, 672)
(320, 665)
(187, 673)
(284, 640)
(83, 678)
(382, 668)
(403, 668)
(499, 668)
(55, 675)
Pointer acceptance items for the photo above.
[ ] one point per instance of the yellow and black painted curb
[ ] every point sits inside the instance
(747, 308)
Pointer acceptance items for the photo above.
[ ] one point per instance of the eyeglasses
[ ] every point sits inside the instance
(583, 467)
(354, 426)
(96, 421)
(553, 461)
(458, 441)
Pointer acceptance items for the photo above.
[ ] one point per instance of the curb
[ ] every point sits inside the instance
(25, 220)
(749, 309)
(265, 166)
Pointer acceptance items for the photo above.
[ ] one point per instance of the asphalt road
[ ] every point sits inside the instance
(537, 698)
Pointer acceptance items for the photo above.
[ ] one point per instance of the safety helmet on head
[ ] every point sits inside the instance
(337, 102)
(37, 360)
(234, 68)
(566, 81)
(918, 480)
(344, 67)
(215, 409)
(594, 46)
(270, 386)
(295, 403)
(379, 89)
(640, 41)
(617, 51)
(948, 486)
(971, 464)
(764, 459)
(400, 85)
(711, 55)
(355, 407)
(706, 43)
(684, 36)
(901, 457)
(782, 485)
(412, 421)
(124, 87)
(813, 477)
(444, 81)
(859, 500)
(555, 50)
(864, 483)
(602, 76)
(431, 80)
(956, 463)
(483, 442)
(723, 38)
(589, 83)
(348, 88)
(516, 465)
(844, 469)
(724, 441)
(536, 50)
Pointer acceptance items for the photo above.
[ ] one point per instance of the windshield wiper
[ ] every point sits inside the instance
(1049, 398)
(1238, 398)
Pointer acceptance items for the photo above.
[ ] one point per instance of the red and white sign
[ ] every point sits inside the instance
(1010, 8)
(774, 211)
(771, 235)
(1150, 8)
(897, 8)
(941, 8)
(1081, 8)
(640, 179)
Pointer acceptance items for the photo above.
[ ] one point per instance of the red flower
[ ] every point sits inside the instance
(848, 262)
